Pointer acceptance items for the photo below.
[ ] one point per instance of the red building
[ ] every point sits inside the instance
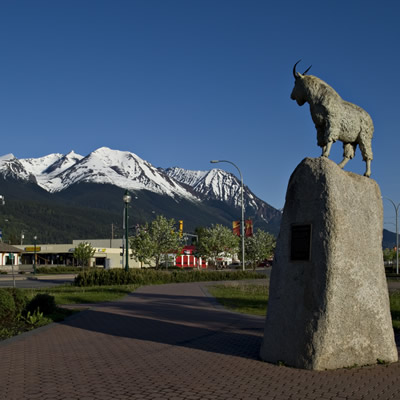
(188, 260)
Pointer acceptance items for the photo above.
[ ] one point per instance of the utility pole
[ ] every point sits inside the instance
(112, 234)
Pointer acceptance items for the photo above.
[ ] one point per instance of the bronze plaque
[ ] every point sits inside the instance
(300, 244)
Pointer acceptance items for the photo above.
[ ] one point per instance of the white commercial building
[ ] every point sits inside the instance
(108, 254)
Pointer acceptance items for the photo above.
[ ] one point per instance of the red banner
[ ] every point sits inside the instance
(249, 227)
(236, 228)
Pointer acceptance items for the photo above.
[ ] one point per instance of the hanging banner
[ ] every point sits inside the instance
(236, 228)
(180, 228)
(249, 227)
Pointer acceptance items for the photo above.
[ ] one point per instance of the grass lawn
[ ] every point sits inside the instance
(395, 309)
(244, 298)
(253, 299)
(68, 294)
(64, 294)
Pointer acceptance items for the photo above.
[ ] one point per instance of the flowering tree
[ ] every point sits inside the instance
(216, 241)
(142, 246)
(83, 253)
(259, 247)
(153, 242)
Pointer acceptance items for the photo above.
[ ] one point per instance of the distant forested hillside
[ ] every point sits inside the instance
(88, 210)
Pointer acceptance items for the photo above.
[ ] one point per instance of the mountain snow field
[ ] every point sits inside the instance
(56, 172)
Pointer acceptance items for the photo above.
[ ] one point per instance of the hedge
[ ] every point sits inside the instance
(58, 270)
(152, 277)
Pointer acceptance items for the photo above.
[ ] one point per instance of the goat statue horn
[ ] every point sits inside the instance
(307, 70)
(295, 74)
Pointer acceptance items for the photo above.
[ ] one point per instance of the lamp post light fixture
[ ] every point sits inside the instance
(241, 191)
(127, 199)
(396, 210)
(34, 254)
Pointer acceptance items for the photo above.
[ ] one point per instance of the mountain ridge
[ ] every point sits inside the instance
(73, 180)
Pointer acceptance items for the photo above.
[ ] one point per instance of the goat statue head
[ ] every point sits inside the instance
(298, 92)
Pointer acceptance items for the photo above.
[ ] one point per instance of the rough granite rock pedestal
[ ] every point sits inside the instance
(328, 305)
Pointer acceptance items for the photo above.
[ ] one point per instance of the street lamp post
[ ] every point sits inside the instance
(241, 191)
(127, 199)
(2, 203)
(34, 254)
(396, 210)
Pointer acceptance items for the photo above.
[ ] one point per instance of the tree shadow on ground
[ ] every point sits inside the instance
(187, 321)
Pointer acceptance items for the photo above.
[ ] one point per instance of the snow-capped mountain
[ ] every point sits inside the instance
(62, 164)
(48, 167)
(215, 184)
(56, 172)
(36, 166)
(218, 184)
(11, 167)
(186, 176)
(124, 169)
(74, 196)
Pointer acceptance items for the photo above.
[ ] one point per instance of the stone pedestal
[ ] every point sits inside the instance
(328, 305)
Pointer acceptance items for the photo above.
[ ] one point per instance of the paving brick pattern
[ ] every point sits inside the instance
(169, 342)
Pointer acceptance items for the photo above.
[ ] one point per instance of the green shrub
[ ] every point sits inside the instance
(5, 333)
(35, 320)
(44, 302)
(7, 307)
(20, 299)
(17, 315)
(151, 277)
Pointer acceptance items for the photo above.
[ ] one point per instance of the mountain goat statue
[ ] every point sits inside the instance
(334, 118)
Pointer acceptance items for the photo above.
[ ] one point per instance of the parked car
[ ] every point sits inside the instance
(265, 264)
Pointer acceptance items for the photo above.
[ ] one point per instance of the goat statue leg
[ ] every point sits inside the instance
(327, 149)
(368, 168)
(344, 162)
(349, 150)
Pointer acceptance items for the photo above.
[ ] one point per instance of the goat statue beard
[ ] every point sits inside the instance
(300, 102)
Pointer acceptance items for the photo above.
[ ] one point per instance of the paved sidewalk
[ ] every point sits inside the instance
(169, 342)
(35, 281)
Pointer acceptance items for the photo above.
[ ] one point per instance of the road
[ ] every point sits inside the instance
(35, 283)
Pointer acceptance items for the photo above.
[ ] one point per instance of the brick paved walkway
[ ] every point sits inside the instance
(169, 342)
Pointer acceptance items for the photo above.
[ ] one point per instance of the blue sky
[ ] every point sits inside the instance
(181, 82)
